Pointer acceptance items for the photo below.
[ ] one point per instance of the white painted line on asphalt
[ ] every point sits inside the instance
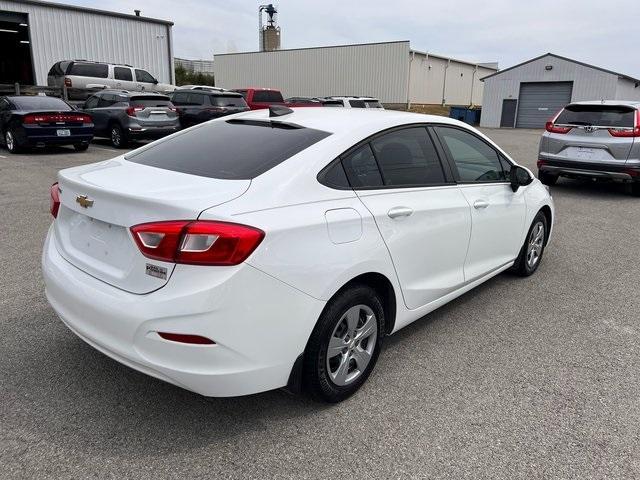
(102, 148)
(2, 156)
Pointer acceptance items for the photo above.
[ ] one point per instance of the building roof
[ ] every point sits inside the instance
(487, 65)
(549, 54)
(95, 11)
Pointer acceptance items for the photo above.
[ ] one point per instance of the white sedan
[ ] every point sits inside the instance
(279, 247)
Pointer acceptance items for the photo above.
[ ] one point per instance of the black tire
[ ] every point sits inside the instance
(81, 147)
(635, 189)
(117, 136)
(318, 375)
(547, 178)
(523, 265)
(10, 141)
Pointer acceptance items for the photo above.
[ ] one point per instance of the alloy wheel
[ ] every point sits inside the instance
(352, 344)
(116, 138)
(9, 141)
(535, 245)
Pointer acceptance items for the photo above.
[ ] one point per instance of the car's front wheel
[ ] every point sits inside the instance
(345, 344)
(547, 178)
(531, 252)
(11, 142)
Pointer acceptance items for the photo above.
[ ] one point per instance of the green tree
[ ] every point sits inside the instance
(184, 77)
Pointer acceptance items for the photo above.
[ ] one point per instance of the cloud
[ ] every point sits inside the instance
(509, 32)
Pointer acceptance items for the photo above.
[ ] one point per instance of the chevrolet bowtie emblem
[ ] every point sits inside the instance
(84, 201)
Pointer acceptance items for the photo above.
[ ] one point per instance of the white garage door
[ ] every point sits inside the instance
(538, 101)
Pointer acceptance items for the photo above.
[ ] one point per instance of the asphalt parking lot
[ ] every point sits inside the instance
(520, 378)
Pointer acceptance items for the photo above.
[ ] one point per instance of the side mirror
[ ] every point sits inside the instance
(155, 81)
(519, 177)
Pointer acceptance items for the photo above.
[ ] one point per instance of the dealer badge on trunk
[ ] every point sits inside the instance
(84, 201)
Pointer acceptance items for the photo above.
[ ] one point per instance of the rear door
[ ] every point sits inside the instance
(497, 213)
(421, 213)
(591, 138)
(98, 107)
(123, 78)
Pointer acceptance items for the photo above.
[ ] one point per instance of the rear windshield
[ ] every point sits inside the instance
(231, 150)
(227, 101)
(151, 101)
(267, 96)
(40, 103)
(96, 70)
(598, 115)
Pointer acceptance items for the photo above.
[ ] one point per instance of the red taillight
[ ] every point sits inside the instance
(133, 109)
(627, 132)
(56, 118)
(541, 163)
(67, 82)
(197, 242)
(551, 127)
(185, 338)
(54, 201)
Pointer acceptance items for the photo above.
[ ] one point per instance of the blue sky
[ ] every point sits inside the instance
(597, 32)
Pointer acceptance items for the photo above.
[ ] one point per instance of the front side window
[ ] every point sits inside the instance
(144, 76)
(475, 160)
(122, 73)
(95, 70)
(361, 168)
(407, 157)
(232, 150)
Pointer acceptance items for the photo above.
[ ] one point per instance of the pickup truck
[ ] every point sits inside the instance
(258, 98)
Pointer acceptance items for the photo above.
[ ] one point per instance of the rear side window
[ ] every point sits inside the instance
(40, 103)
(407, 157)
(106, 100)
(122, 73)
(96, 70)
(196, 99)
(357, 104)
(180, 98)
(361, 168)
(475, 160)
(58, 69)
(267, 96)
(232, 150)
(598, 115)
(227, 101)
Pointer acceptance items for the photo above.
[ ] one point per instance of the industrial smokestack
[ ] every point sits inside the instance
(269, 34)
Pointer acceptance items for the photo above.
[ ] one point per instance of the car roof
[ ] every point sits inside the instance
(211, 93)
(352, 97)
(619, 103)
(130, 93)
(338, 120)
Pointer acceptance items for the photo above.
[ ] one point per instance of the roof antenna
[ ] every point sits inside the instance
(279, 110)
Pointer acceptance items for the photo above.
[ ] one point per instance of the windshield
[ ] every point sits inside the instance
(151, 101)
(40, 103)
(598, 115)
(232, 150)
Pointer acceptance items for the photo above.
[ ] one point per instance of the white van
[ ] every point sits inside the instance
(82, 78)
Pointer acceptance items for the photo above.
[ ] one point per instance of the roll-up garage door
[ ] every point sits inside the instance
(538, 101)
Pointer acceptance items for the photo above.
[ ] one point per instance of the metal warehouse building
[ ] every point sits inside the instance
(390, 71)
(36, 34)
(528, 94)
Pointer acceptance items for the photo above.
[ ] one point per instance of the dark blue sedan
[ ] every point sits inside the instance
(38, 121)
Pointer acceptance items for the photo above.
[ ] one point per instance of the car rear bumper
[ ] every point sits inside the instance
(260, 325)
(144, 132)
(577, 169)
(40, 136)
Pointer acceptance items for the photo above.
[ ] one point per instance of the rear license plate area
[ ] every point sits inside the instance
(63, 132)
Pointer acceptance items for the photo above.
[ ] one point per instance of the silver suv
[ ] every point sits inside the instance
(599, 140)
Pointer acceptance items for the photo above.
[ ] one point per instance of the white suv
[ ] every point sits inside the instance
(82, 78)
(357, 102)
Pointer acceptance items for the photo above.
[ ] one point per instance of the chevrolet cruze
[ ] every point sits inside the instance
(277, 248)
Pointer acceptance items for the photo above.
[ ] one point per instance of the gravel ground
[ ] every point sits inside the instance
(520, 378)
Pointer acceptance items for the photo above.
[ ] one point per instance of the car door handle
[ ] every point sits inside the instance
(480, 204)
(397, 212)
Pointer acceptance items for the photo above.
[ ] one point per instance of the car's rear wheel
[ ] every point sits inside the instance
(11, 142)
(345, 344)
(531, 252)
(81, 147)
(547, 178)
(118, 137)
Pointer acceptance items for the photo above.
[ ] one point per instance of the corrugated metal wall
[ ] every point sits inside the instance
(627, 90)
(463, 85)
(380, 70)
(60, 34)
(588, 84)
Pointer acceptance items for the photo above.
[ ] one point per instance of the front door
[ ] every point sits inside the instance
(421, 214)
(497, 213)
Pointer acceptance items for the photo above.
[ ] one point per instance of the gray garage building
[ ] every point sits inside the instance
(527, 94)
(36, 34)
(391, 71)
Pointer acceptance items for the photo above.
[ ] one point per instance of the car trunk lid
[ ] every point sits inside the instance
(590, 135)
(100, 203)
(152, 111)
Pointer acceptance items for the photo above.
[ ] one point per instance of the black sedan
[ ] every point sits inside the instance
(197, 106)
(38, 121)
